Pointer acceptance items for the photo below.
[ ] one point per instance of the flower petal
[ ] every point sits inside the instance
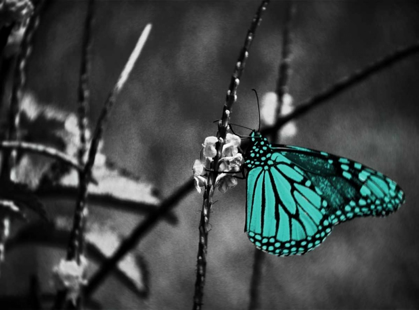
(226, 182)
(198, 168)
(233, 139)
(209, 147)
(229, 149)
(200, 181)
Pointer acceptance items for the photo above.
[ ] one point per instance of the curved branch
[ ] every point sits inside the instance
(41, 149)
(345, 83)
(132, 240)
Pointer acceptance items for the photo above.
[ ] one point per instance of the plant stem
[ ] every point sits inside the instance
(74, 250)
(84, 90)
(231, 98)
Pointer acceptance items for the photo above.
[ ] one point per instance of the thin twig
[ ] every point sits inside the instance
(18, 83)
(35, 293)
(284, 73)
(76, 241)
(41, 149)
(137, 234)
(84, 91)
(4, 35)
(84, 102)
(231, 98)
(256, 278)
(9, 156)
(74, 250)
(103, 201)
(345, 83)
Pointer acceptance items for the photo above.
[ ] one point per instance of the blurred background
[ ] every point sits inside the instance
(168, 106)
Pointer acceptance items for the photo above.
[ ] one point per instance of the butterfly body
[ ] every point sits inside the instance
(296, 195)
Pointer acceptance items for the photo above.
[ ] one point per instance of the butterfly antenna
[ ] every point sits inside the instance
(231, 128)
(257, 100)
(241, 136)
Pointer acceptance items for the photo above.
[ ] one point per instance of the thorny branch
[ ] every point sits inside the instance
(231, 98)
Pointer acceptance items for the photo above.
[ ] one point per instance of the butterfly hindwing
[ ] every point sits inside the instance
(295, 196)
(286, 214)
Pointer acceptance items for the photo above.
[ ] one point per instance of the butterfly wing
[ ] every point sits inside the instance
(350, 188)
(286, 213)
(295, 196)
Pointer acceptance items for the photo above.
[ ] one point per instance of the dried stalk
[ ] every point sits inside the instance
(221, 135)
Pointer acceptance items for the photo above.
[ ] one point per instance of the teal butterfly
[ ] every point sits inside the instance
(296, 195)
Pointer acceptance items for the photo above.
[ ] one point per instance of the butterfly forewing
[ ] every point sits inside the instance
(295, 195)
(351, 189)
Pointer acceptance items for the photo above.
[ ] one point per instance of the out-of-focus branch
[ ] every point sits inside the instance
(284, 70)
(345, 83)
(18, 84)
(4, 35)
(103, 201)
(84, 90)
(73, 250)
(137, 234)
(41, 149)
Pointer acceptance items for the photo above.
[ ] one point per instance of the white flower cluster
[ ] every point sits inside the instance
(230, 162)
(69, 276)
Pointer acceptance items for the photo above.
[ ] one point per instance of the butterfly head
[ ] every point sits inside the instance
(259, 150)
